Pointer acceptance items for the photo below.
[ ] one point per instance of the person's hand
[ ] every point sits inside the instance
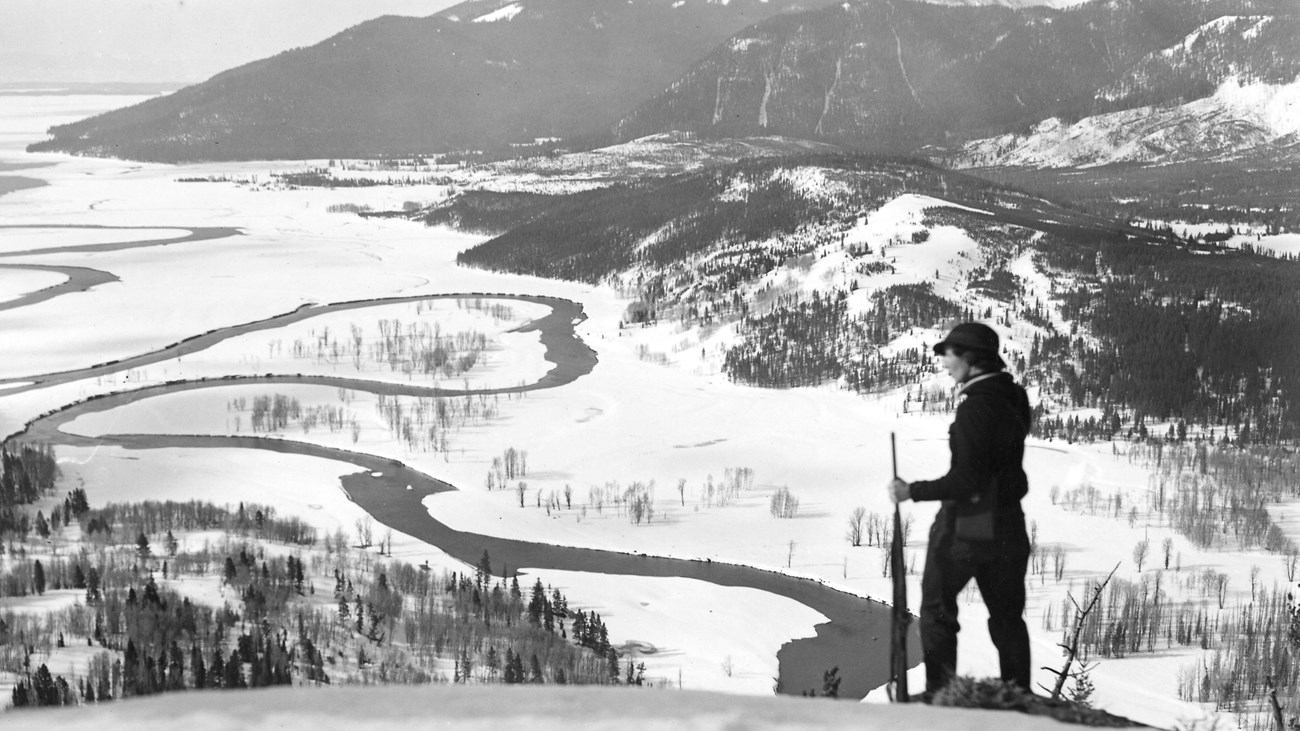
(899, 490)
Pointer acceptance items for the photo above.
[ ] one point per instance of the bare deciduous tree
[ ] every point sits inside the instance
(1058, 561)
(1140, 553)
(1071, 647)
(783, 503)
(855, 526)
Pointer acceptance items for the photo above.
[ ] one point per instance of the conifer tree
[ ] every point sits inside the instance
(198, 672)
(20, 697)
(175, 668)
(234, 672)
(130, 670)
(534, 670)
(537, 603)
(466, 664)
(517, 667)
(216, 674)
(508, 672)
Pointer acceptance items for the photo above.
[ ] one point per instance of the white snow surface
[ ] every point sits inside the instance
(1280, 244)
(15, 283)
(24, 239)
(506, 12)
(511, 358)
(381, 708)
(687, 630)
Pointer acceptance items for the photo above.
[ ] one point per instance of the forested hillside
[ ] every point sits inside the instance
(660, 222)
(1205, 335)
(1136, 323)
(292, 614)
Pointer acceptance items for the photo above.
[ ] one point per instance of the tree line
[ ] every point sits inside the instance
(808, 341)
(27, 472)
(1206, 336)
(398, 619)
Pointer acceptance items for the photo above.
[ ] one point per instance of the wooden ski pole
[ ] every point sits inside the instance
(901, 618)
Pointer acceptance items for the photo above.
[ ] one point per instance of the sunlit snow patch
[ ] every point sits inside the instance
(503, 13)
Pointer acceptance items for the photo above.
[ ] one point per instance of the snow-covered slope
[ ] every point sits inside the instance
(467, 707)
(1239, 116)
(503, 13)
(1256, 47)
(1229, 85)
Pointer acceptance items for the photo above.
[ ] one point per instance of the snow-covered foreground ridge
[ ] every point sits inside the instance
(513, 707)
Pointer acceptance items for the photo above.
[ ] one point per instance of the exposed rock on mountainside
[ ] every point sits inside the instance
(881, 74)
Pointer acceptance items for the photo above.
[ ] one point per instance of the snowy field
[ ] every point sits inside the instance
(35, 238)
(630, 421)
(15, 283)
(313, 347)
(384, 344)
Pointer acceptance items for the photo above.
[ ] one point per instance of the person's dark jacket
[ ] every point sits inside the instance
(987, 439)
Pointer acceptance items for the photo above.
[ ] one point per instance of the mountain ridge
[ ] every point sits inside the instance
(402, 86)
(884, 75)
(877, 74)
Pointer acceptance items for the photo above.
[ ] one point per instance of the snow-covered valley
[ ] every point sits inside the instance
(655, 419)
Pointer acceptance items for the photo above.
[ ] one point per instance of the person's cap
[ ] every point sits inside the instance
(972, 336)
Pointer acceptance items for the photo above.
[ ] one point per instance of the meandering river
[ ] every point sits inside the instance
(855, 638)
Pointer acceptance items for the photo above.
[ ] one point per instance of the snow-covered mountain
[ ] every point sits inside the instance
(480, 74)
(1258, 48)
(884, 74)
(1236, 118)
(1230, 85)
(898, 75)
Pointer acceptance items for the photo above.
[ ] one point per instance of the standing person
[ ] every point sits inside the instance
(979, 532)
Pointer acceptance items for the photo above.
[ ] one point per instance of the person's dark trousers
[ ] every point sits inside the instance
(998, 568)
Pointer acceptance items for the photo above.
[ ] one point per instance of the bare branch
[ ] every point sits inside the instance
(1072, 649)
